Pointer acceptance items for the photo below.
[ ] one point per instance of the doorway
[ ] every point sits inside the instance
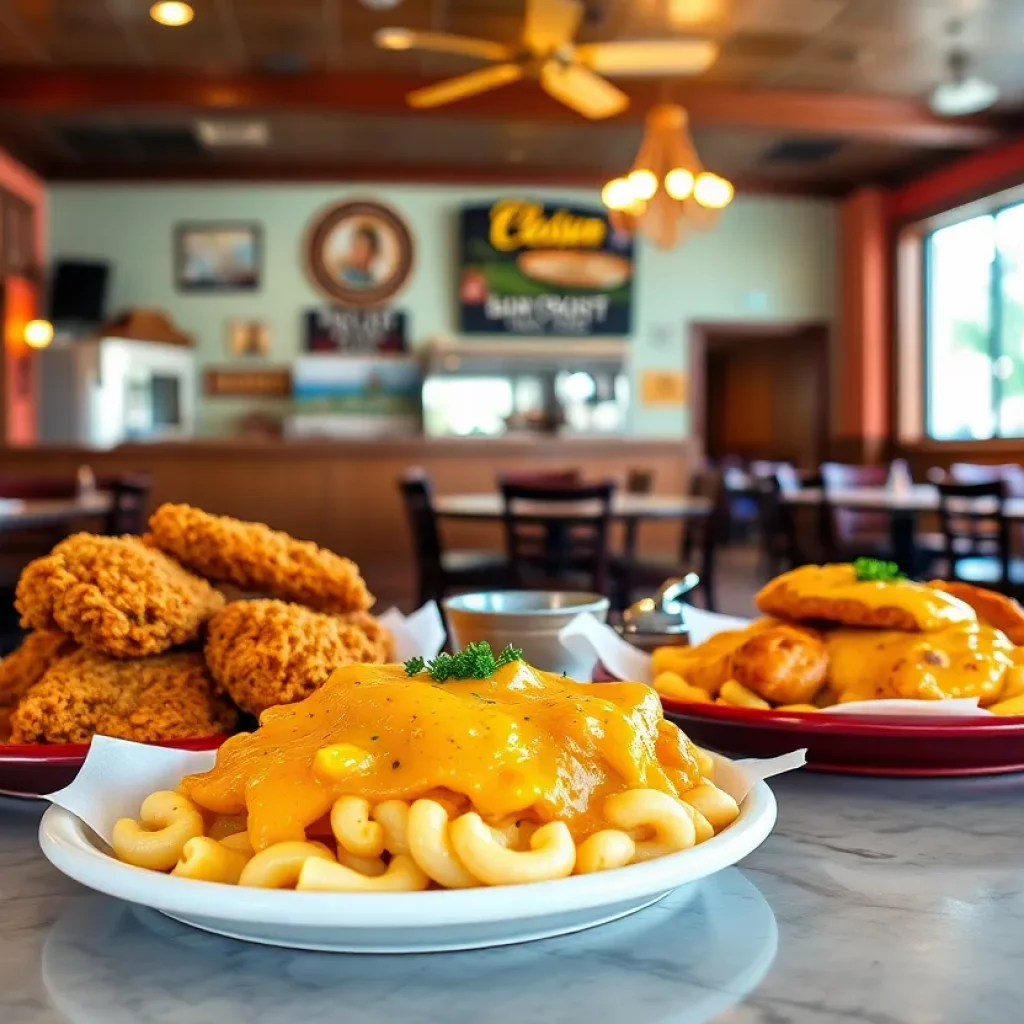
(761, 391)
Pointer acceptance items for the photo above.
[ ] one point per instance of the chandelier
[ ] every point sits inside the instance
(667, 189)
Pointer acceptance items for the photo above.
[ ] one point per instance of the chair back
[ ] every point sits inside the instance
(846, 527)
(418, 498)
(558, 534)
(555, 478)
(639, 481)
(974, 524)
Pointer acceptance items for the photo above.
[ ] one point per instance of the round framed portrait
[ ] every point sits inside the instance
(360, 253)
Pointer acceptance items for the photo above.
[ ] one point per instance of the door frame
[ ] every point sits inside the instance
(698, 332)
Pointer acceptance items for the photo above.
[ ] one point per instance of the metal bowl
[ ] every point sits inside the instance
(530, 619)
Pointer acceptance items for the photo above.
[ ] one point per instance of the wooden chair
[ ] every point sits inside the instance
(848, 533)
(699, 542)
(977, 534)
(440, 572)
(558, 536)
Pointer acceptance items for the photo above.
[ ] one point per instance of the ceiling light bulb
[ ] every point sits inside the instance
(38, 333)
(171, 13)
(712, 191)
(679, 183)
(617, 194)
(643, 183)
(393, 38)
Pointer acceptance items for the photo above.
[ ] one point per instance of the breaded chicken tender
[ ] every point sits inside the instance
(256, 558)
(993, 609)
(263, 653)
(380, 638)
(783, 664)
(24, 667)
(168, 697)
(114, 595)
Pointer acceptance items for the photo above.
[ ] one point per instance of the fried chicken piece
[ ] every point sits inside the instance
(169, 697)
(263, 653)
(783, 664)
(993, 609)
(380, 638)
(115, 595)
(24, 667)
(256, 558)
(833, 593)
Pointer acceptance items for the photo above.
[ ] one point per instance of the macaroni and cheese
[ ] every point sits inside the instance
(379, 782)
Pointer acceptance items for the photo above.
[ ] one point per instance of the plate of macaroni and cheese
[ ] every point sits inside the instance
(872, 672)
(471, 802)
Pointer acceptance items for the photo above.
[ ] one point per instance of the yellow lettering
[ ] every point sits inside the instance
(518, 224)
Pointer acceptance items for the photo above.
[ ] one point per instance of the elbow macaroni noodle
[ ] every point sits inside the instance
(394, 846)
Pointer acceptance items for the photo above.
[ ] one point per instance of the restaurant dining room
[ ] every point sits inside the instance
(532, 486)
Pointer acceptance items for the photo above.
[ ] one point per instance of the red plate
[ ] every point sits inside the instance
(31, 770)
(861, 745)
(856, 745)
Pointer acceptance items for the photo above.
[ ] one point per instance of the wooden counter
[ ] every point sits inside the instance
(343, 494)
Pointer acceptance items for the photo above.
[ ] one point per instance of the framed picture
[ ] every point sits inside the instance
(360, 253)
(248, 338)
(218, 257)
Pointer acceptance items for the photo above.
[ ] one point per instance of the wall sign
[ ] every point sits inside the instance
(360, 253)
(229, 382)
(338, 329)
(530, 268)
(660, 388)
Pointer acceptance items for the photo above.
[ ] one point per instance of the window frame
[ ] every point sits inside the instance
(913, 320)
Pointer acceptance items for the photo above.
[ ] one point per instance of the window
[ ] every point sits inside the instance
(975, 327)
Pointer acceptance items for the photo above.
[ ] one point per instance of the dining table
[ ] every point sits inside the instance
(29, 513)
(624, 507)
(874, 901)
(903, 504)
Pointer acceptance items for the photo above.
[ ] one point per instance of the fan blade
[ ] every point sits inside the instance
(578, 87)
(442, 42)
(551, 24)
(452, 89)
(654, 57)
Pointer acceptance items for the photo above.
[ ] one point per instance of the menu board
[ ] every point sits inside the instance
(528, 267)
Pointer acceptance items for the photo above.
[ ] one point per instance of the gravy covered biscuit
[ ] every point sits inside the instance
(844, 595)
(114, 595)
(965, 660)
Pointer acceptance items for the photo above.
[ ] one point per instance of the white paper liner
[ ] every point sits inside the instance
(588, 639)
(421, 634)
(118, 775)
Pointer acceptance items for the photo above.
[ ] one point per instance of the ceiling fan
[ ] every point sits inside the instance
(570, 72)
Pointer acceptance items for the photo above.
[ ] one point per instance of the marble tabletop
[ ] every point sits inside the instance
(875, 900)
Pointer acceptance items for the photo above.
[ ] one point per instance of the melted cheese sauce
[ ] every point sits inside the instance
(524, 742)
(967, 660)
(931, 609)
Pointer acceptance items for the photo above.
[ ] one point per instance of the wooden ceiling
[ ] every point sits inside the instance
(809, 95)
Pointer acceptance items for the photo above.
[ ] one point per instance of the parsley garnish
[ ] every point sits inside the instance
(475, 661)
(874, 570)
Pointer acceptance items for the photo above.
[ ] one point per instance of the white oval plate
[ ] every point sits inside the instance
(404, 922)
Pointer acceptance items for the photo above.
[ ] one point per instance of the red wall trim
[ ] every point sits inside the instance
(969, 178)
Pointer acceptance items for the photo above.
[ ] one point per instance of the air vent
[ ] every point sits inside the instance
(136, 143)
(802, 151)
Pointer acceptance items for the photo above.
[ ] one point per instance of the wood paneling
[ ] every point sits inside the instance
(345, 495)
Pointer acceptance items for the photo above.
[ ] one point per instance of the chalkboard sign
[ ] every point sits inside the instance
(340, 329)
(534, 268)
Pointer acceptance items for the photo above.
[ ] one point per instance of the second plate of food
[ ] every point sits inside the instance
(861, 744)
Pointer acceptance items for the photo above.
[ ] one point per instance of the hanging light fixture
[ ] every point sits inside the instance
(667, 188)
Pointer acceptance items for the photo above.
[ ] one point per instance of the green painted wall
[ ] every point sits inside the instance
(768, 258)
